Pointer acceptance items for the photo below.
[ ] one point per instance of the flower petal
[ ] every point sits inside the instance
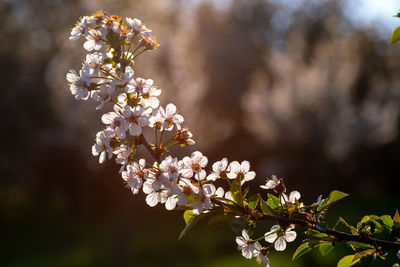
(290, 236)
(280, 244)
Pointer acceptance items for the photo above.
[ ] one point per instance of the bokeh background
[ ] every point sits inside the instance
(306, 90)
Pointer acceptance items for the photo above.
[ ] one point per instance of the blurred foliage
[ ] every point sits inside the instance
(299, 91)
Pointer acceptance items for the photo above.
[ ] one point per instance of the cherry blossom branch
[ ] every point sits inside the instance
(107, 76)
(340, 236)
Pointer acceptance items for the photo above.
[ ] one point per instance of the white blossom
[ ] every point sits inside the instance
(136, 118)
(262, 257)
(170, 168)
(219, 169)
(94, 62)
(135, 174)
(146, 90)
(193, 166)
(203, 202)
(293, 196)
(122, 80)
(155, 193)
(79, 83)
(280, 237)
(171, 117)
(271, 183)
(236, 169)
(184, 137)
(123, 154)
(103, 95)
(81, 28)
(248, 247)
(102, 146)
(138, 27)
(156, 120)
(116, 122)
(94, 39)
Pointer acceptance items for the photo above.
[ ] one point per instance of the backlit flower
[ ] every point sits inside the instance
(280, 237)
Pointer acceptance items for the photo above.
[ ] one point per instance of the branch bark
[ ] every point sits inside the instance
(341, 236)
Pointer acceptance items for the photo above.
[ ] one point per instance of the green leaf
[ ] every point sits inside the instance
(192, 221)
(318, 236)
(387, 221)
(370, 223)
(301, 250)
(273, 201)
(364, 253)
(325, 248)
(187, 216)
(347, 261)
(358, 246)
(253, 201)
(395, 36)
(334, 196)
(245, 192)
(219, 220)
(236, 191)
(237, 224)
(265, 208)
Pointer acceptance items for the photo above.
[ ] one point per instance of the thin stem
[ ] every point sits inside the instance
(341, 236)
(155, 132)
(107, 72)
(138, 54)
(116, 103)
(147, 146)
(129, 46)
(161, 137)
(133, 52)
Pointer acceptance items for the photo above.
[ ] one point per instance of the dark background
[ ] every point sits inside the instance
(300, 90)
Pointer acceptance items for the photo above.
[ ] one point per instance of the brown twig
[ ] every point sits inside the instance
(340, 236)
(143, 141)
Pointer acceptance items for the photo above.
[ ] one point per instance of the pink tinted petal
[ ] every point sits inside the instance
(245, 235)
(170, 109)
(200, 176)
(290, 236)
(240, 241)
(280, 244)
(294, 195)
(234, 167)
(211, 177)
(170, 204)
(247, 253)
(187, 161)
(270, 238)
(245, 166)
(219, 192)
(249, 176)
(152, 199)
(108, 117)
(203, 161)
(135, 130)
(102, 157)
(209, 189)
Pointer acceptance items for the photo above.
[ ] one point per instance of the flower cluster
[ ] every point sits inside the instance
(107, 77)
